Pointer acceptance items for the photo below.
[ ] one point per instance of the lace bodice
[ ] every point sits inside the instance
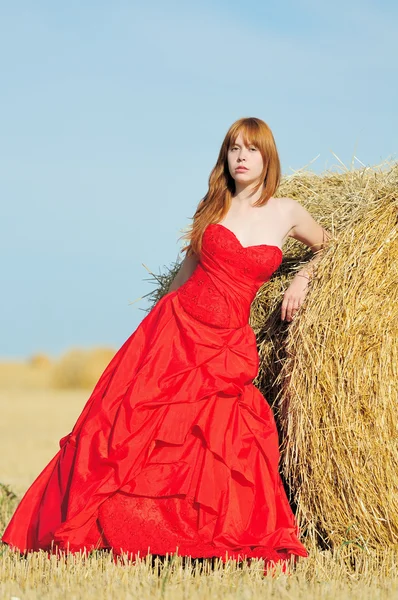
(227, 278)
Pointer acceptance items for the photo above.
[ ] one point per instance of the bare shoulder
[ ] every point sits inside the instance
(302, 225)
(285, 204)
(285, 208)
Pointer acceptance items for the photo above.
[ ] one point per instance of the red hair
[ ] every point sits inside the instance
(215, 205)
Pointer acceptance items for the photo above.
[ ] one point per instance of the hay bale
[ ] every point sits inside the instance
(339, 385)
(333, 199)
(40, 361)
(80, 368)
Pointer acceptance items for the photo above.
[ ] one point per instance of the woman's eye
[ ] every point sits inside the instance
(250, 148)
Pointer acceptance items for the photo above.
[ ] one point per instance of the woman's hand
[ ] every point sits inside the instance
(294, 297)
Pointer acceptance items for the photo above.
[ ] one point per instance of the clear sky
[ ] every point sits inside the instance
(112, 115)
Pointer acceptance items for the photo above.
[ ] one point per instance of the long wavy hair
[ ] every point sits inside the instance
(215, 205)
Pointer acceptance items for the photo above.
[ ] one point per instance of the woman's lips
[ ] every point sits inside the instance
(243, 169)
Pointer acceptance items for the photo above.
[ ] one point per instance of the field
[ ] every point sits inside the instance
(33, 421)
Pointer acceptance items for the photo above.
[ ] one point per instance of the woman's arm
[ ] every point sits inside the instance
(305, 229)
(185, 271)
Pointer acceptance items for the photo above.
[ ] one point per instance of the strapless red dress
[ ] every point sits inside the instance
(176, 450)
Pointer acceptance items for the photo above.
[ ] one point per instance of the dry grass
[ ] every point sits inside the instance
(335, 200)
(331, 374)
(347, 572)
(323, 576)
(339, 384)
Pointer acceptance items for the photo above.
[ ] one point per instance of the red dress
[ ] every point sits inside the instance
(176, 450)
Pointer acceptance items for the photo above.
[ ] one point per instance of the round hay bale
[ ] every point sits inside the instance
(333, 199)
(80, 368)
(339, 385)
(40, 361)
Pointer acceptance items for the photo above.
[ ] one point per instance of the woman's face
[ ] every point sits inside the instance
(245, 163)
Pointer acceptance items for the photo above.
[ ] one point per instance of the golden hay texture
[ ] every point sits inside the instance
(331, 374)
(333, 370)
(335, 200)
(339, 384)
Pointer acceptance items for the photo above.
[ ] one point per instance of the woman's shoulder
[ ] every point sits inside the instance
(287, 210)
(285, 202)
(285, 206)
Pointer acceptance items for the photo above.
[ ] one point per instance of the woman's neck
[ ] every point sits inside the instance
(245, 195)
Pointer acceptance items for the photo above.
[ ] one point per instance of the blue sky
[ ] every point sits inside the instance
(112, 117)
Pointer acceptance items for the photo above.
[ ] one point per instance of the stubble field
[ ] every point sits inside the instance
(33, 421)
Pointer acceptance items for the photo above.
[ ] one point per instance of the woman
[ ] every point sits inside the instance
(176, 450)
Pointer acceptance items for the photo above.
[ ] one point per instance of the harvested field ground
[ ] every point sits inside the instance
(31, 425)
